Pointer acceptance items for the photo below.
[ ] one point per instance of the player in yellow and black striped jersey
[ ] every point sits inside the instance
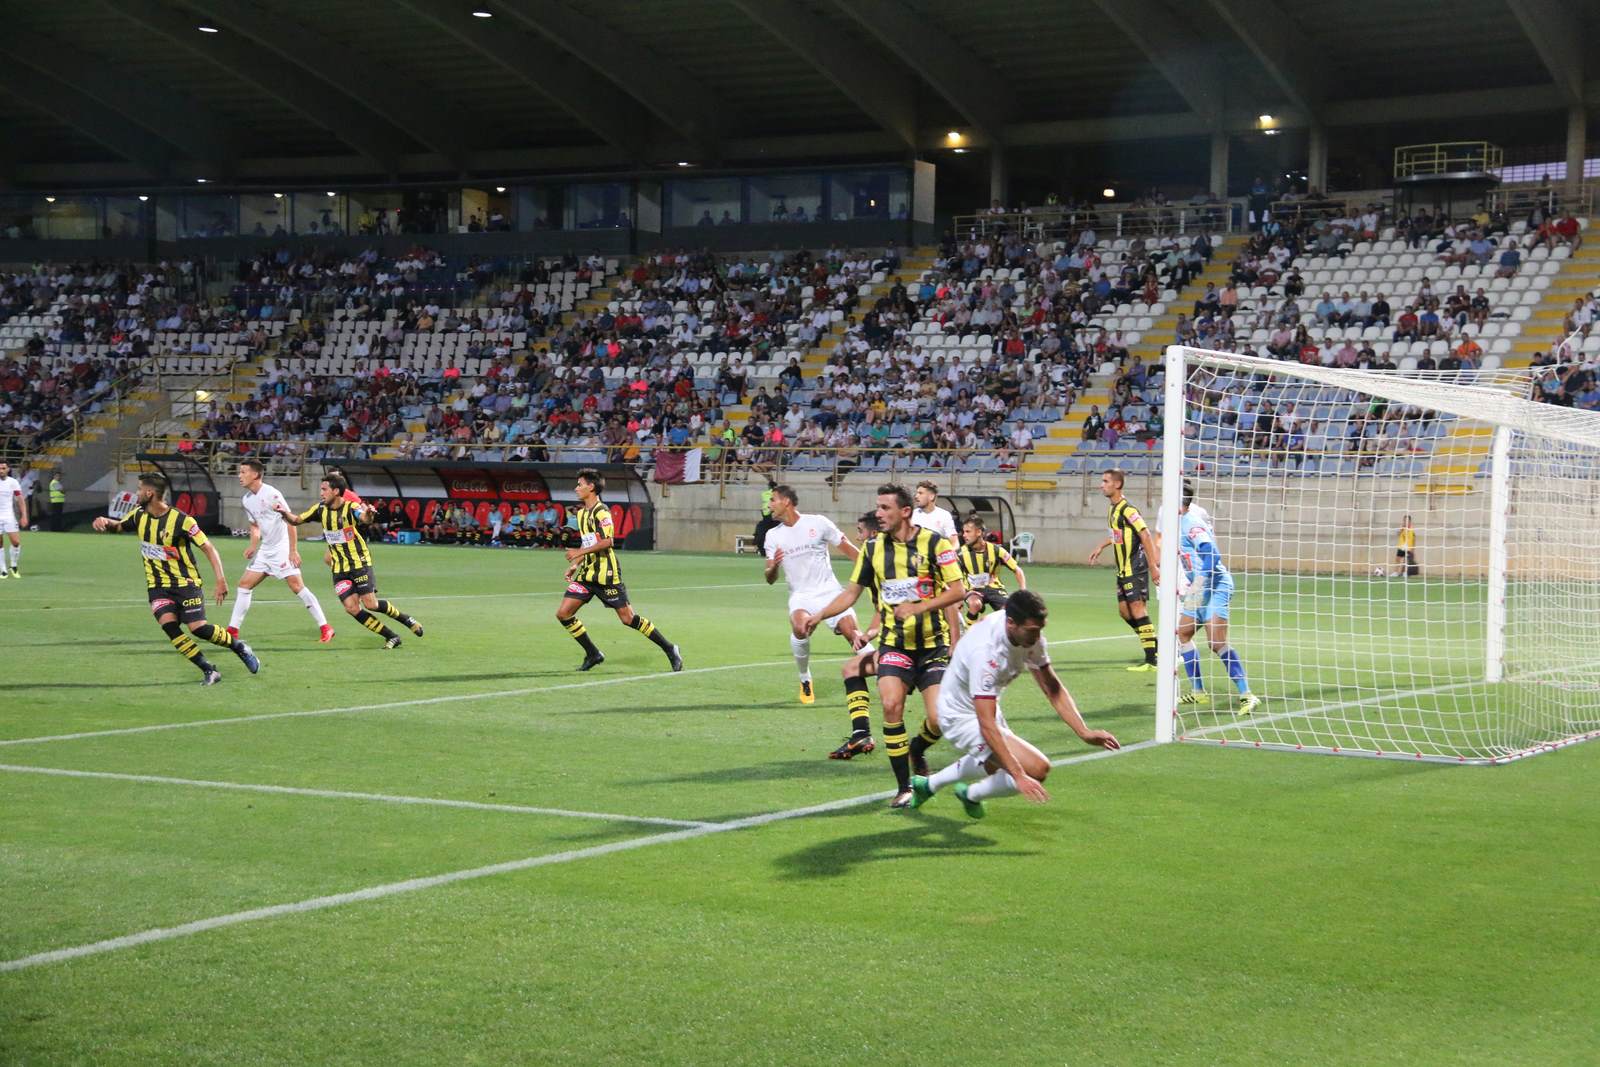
(349, 558)
(167, 540)
(1136, 562)
(593, 571)
(981, 560)
(916, 582)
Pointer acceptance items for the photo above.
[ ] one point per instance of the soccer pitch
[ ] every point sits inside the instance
(470, 853)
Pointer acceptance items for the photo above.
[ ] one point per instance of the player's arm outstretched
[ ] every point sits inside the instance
(309, 515)
(1063, 704)
(995, 738)
(109, 524)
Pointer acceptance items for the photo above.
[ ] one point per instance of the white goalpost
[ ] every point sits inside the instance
(1483, 647)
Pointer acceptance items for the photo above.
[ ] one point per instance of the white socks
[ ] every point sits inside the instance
(801, 647)
(241, 606)
(965, 769)
(309, 599)
(16, 555)
(998, 784)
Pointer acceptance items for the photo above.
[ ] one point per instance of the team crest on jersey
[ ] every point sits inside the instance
(914, 561)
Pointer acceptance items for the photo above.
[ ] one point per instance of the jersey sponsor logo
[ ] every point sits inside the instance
(194, 601)
(342, 587)
(164, 604)
(894, 659)
(333, 537)
(574, 587)
(977, 581)
(158, 553)
(947, 557)
(900, 590)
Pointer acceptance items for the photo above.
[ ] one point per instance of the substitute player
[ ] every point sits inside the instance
(351, 562)
(917, 584)
(994, 761)
(274, 550)
(798, 544)
(981, 560)
(167, 540)
(13, 506)
(1136, 563)
(593, 571)
(1206, 601)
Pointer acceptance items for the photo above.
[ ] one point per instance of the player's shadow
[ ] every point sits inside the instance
(810, 769)
(934, 839)
(655, 709)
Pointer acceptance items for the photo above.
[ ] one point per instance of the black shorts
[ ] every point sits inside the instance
(611, 595)
(1135, 586)
(358, 582)
(993, 598)
(188, 602)
(918, 670)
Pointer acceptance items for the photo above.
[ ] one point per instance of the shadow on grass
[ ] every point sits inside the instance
(818, 769)
(922, 838)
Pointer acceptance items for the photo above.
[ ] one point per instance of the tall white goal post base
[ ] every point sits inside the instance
(1481, 647)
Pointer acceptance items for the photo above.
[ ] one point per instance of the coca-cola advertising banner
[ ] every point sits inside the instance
(515, 486)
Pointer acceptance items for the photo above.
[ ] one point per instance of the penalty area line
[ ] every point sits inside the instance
(414, 885)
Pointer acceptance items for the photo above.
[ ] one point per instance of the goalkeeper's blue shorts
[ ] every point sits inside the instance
(1217, 599)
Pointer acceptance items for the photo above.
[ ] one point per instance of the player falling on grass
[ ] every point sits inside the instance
(798, 545)
(1136, 563)
(917, 584)
(981, 560)
(994, 761)
(274, 550)
(593, 571)
(1206, 601)
(350, 560)
(167, 540)
(13, 507)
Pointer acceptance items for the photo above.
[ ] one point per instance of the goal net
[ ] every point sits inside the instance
(1471, 639)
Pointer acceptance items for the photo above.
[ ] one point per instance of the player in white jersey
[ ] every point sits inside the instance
(929, 515)
(13, 506)
(799, 545)
(273, 552)
(994, 761)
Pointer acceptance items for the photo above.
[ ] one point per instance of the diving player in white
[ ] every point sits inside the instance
(1206, 600)
(930, 515)
(799, 545)
(13, 504)
(273, 552)
(995, 761)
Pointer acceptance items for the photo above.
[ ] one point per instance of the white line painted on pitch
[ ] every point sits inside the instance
(413, 885)
(341, 794)
(454, 698)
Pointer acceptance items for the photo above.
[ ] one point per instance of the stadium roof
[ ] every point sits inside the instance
(135, 91)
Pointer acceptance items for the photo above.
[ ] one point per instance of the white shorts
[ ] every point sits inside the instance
(816, 600)
(8, 524)
(964, 735)
(272, 566)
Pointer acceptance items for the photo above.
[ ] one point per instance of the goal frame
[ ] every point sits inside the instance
(1167, 723)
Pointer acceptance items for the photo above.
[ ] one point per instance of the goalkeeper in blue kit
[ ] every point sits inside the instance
(1206, 601)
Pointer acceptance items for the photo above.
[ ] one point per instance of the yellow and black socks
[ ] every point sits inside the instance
(187, 646)
(375, 624)
(926, 738)
(644, 626)
(1147, 636)
(388, 608)
(578, 633)
(899, 749)
(858, 703)
(215, 634)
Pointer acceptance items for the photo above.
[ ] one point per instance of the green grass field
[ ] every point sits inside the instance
(1173, 904)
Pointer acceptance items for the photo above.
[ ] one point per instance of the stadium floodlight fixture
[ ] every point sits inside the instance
(499, 188)
(683, 163)
(1271, 133)
(482, 14)
(201, 181)
(143, 198)
(1109, 193)
(208, 29)
(277, 196)
(1265, 119)
(954, 137)
(332, 193)
(961, 151)
(49, 199)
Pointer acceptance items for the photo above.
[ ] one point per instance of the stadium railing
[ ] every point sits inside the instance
(1108, 220)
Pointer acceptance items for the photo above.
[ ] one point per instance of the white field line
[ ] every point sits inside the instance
(413, 885)
(341, 794)
(1320, 709)
(454, 698)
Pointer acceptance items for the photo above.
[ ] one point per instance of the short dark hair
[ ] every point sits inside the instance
(901, 497)
(594, 478)
(974, 519)
(788, 493)
(336, 483)
(253, 464)
(1119, 475)
(1188, 492)
(931, 487)
(156, 482)
(870, 521)
(1025, 606)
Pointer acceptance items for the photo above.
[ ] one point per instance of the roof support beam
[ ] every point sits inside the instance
(375, 87)
(177, 119)
(568, 83)
(88, 116)
(357, 127)
(973, 88)
(1195, 75)
(1555, 28)
(858, 72)
(674, 96)
(1287, 54)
